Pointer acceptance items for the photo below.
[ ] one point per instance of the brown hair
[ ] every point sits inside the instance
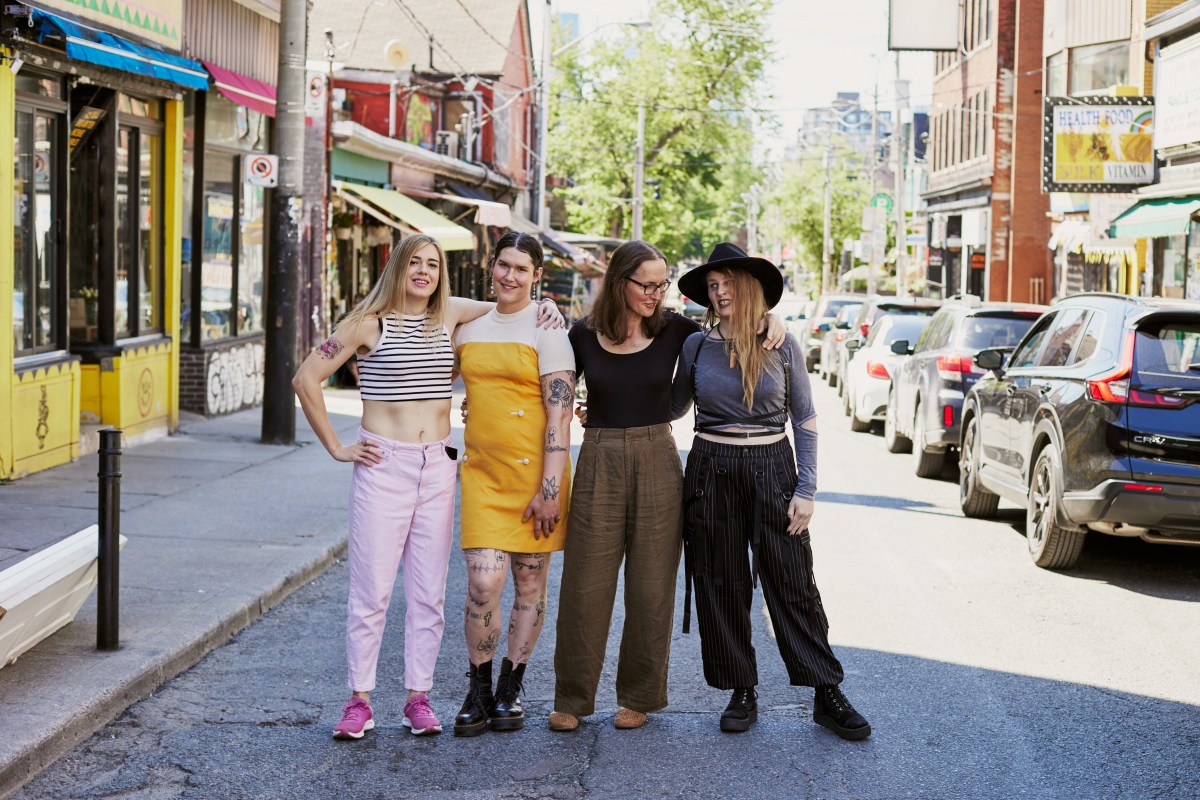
(608, 311)
(743, 341)
(527, 244)
(388, 293)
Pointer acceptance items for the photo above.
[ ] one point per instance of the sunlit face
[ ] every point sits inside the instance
(651, 272)
(720, 293)
(424, 272)
(513, 276)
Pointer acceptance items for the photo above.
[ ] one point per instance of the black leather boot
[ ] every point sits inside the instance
(506, 714)
(473, 718)
(742, 711)
(832, 710)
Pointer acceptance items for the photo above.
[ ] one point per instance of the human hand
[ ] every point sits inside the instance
(463, 409)
(549, 316)
(365, 452)
(775, 329)
(581, 412)
(545, 514)
(799, 513)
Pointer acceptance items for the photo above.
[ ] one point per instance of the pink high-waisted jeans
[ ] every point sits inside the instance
(401, 512)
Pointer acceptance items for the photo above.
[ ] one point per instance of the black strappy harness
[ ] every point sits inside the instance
(763, 419)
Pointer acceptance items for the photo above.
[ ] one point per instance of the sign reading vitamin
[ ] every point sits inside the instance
(1097, 144)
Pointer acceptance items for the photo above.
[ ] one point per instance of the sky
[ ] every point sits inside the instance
(821, 47)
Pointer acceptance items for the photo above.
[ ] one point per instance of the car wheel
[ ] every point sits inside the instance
(1050, 546)
(845, 399)
(926, 464)
(831, 378)
(975, 500)
(896, 442)
(856, 425)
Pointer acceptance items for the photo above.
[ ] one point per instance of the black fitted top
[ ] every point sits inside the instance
(629, 390)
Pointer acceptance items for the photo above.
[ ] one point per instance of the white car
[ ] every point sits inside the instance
(869, 373)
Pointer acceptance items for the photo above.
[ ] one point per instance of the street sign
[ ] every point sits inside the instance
(261, 170)
(314, 95)
(882, 200)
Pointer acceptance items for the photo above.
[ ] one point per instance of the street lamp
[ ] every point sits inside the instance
(543, 215)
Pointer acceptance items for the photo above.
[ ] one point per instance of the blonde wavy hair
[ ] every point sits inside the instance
(388, 293)
(743, 343)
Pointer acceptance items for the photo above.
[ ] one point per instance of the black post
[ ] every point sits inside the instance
(109, 567)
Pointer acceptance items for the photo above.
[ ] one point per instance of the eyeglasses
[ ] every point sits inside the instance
(652, 288)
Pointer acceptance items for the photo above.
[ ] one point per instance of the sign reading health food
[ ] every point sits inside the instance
(1097, 144)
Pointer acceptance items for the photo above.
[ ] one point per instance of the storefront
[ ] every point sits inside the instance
(1170, 223)
(93, 129)
(958, 252)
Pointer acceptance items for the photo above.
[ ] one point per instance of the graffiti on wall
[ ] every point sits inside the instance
(235, 378)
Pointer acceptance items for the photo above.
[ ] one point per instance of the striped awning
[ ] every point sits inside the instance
(405, 214)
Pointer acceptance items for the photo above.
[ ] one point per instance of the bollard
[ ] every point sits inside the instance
(108, 569)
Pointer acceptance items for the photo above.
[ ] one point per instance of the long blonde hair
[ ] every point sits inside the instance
(388, 293)
(743, 344)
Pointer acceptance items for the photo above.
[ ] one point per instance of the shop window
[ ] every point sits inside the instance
(1099, 66)
(227, 124)
(189, 183)
(1056, 74)
(251, 267)
(1174, 255)
(1193, 265)
(36, 232)
(216, 264)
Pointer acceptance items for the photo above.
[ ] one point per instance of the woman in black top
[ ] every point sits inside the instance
(625, 505)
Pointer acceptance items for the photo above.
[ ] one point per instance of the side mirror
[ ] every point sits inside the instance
(900, 347)
(823, 327)
(990, 360)
(853, 344)
(802, 315)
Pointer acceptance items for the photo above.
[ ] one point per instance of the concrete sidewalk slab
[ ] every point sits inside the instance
(220, 529)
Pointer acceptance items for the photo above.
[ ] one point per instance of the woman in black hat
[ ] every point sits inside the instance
(744, 487)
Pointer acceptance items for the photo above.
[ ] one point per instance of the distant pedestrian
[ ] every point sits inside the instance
(625, 506)
(402, 492)
(516, 479)
(744, 487)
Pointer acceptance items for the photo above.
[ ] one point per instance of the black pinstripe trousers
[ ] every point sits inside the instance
(736, 498)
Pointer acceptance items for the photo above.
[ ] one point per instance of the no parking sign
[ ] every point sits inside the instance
(261, 170)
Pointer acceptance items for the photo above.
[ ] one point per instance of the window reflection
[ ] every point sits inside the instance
(216, 265)
(250, 264)
(149, 227)
(126, 264)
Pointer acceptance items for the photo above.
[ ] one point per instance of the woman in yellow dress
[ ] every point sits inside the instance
(515, 477)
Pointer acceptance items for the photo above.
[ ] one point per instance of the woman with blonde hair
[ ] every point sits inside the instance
(744, 487)
(402, 490)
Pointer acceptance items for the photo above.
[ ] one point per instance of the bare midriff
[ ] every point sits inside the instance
(409, 421)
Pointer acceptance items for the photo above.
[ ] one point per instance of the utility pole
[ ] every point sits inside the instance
(543, 207)
(639, 172)
(287, 212)
(827, 225)
(874, 163)
(900, 152)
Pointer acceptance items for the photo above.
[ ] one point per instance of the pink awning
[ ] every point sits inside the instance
(243, 90)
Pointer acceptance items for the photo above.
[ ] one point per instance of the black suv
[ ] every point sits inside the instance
(928, 387)
(1093, 423)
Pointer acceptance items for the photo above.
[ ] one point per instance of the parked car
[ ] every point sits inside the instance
(927, 391)
(869, 375)
(694, 310)
(820, 321)
(1092, 423)
(838, 329)
(872, 309)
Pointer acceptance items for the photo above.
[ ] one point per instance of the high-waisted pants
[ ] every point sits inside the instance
(736, 497)
(625, 506)
(401, 512)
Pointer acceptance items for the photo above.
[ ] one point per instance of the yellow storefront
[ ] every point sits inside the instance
(91, 246)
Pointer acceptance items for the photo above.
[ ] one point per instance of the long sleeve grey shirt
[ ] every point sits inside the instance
(720, 402)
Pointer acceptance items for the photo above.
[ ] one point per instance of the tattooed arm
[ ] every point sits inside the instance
(558, 394)
(316, 369)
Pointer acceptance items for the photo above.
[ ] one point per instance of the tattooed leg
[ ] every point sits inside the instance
(530, 571)
(486, 573)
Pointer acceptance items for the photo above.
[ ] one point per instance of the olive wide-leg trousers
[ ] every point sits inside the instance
(625, 507)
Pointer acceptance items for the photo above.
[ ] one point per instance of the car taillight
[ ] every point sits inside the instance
(1152, 399)
(876, 369)
(951, 367)
(865, 329)
(947, 416)
(837, 337)
(1113, 387)
(816, 328)
(1141, 487)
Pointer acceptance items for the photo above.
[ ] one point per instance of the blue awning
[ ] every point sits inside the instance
(106, 50)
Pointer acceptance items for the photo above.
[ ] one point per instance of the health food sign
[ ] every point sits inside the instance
(1097, 144)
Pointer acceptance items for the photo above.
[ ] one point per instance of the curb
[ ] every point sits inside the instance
(78, 727)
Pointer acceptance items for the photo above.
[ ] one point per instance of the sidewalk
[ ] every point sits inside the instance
(220, 529)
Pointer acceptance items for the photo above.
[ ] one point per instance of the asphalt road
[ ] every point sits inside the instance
(983, 677)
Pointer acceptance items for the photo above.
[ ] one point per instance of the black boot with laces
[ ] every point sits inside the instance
(473, 718)
(506, 714)
(832, 710)
(742, 711)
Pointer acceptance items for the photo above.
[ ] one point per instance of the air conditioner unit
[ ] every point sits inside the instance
(446, 143)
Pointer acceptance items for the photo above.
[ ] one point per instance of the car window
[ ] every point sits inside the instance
(928, 336)
(909, 328)
(1091, 337)
(881, 329)
(837, 305)
(1060, 344)
(984, 331)
(1026, 353)
(1168, 354)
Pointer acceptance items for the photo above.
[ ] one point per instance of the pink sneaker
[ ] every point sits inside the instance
(357, 719)
(420, 717)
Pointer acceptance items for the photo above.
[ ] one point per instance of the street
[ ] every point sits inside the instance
(982, 676)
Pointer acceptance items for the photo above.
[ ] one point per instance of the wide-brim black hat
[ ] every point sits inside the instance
(730, 256)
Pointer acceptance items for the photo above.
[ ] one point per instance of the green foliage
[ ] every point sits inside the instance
(698, 72)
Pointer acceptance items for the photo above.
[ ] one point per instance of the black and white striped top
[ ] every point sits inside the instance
(404, 365)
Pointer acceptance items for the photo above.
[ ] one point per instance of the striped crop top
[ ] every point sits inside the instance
(404, 365)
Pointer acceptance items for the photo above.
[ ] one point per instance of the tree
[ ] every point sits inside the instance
(699, 75)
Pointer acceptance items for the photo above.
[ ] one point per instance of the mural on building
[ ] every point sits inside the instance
(155, 21)
(235, 378)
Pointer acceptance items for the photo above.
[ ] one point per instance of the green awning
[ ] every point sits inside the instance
(401, 211)
(1154, 218)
